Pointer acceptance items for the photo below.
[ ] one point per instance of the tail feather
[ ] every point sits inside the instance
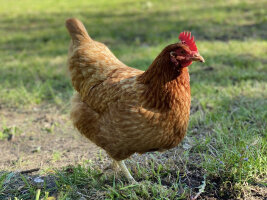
(77, 30)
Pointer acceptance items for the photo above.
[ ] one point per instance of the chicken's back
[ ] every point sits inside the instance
(90, 62)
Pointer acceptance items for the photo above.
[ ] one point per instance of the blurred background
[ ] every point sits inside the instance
(229, 100)
(34, 40)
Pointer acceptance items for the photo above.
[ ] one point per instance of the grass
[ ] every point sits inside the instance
(226, 141)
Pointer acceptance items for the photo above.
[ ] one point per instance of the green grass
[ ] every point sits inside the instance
(227, 132)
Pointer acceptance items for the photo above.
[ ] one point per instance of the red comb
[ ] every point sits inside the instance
(188, 40)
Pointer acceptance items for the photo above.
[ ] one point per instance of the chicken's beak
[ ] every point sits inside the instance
(197, 57)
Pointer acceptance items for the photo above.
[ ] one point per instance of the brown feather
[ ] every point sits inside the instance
(122, 109)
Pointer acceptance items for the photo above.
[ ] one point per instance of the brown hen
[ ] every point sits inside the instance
(124, 110)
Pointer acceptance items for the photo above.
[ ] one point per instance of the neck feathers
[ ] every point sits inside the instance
(167, 85)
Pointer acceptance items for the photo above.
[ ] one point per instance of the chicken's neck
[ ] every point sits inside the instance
(167, 85)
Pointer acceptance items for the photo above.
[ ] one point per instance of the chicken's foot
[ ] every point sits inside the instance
(125, 171)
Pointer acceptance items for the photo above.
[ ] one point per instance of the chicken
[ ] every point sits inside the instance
(125, 110)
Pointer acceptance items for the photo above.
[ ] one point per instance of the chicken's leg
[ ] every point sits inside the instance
(125, 171)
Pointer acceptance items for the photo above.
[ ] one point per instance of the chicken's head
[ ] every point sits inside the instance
(186, 51)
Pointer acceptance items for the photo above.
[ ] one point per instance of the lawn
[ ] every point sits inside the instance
(224, 154)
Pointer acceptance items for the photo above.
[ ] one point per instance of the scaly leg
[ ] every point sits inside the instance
(124, 169)
(115, 165)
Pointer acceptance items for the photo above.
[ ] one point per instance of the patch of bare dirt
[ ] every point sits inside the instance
(41, 138)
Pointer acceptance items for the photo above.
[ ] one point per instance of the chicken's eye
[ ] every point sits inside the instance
(182, 51)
